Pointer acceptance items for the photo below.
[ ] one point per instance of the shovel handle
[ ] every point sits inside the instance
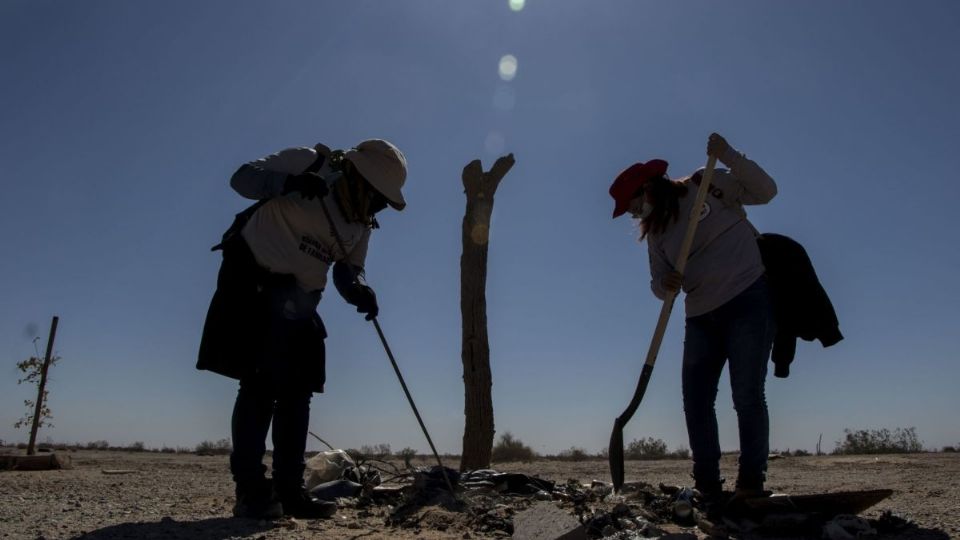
(615, 450)
(681, 264)
(667, 308)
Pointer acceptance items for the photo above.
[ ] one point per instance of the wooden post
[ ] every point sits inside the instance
(478, 431)
(42, 386)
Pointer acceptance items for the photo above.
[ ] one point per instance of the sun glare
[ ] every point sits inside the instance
(517, 5)
(508, 67)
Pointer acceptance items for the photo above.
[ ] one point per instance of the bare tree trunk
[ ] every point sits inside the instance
(479, 188)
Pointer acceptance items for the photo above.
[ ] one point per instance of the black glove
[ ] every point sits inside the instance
(308, 184)
(366, 301)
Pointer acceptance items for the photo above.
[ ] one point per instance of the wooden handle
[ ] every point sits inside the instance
(681, 263)
(615, 450)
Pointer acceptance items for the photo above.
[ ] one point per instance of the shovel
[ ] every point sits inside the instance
(615, 452)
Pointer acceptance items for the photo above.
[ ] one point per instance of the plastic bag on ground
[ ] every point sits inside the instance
(327, 466)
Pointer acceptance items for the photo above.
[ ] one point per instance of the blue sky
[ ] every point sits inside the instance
(122, 123)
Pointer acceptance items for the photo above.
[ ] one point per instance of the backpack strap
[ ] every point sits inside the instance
(240, 220)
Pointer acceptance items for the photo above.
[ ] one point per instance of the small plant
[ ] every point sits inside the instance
(645, 448)
(407, 454)
(98, 445)
(574, 453)
(946, 449)
(208, 448)
(879, 441)
(509, 448)
(32, 369)
(378, 451)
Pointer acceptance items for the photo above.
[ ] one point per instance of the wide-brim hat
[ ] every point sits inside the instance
(628, 182)
(383, 165)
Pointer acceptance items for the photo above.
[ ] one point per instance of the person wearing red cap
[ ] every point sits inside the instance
(729, 315)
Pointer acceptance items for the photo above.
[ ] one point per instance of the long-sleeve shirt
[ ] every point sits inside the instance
(724, 258)
(290, 234)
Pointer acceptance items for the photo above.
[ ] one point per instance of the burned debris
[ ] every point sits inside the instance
(487, 502)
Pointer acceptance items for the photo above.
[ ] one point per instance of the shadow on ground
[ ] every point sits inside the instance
(211, 528)
(915, 534)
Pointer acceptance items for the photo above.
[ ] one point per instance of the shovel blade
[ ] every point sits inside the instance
(615, 455)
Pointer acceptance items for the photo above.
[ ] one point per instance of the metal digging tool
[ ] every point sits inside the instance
(615, 451)
(393, 361)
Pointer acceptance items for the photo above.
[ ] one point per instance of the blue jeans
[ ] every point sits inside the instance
(741, 331)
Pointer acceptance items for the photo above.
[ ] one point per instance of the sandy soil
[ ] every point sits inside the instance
(190, 497)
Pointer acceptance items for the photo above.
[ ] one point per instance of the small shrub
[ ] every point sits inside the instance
(209, 448)
(509, 448)
(378, 451)
(800, 453)
(574, 454)
(646, 448)
(98, 445)
(406, 455)
(137, 446)
(879, 441)
(679, 453)
(949, 449)
(168, 450)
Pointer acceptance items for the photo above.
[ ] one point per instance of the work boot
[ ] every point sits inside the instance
(299, 503)
(256, 500)
(712, 499)
(747, 488)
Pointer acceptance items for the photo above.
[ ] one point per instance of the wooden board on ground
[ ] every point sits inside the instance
(832, 504)
(34, 463)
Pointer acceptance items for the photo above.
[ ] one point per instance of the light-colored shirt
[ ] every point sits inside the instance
(290, 234)
(724, 258)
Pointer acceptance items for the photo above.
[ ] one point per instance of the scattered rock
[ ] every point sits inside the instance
(544, 521)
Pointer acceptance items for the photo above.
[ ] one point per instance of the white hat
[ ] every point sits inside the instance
(384, 166)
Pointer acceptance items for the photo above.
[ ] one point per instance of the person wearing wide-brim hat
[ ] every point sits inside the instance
(316, 209)
(729, 315)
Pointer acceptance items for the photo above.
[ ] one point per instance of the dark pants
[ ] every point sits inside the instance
(278, 391)
(741, 331)
(259, 402)
(264, 331)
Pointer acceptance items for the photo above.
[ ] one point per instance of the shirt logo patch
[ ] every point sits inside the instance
(704, 211)
(314, 248)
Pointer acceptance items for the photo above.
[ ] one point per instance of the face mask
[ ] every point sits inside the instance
(645, 210)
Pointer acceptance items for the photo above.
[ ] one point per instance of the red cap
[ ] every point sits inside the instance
(632, 179)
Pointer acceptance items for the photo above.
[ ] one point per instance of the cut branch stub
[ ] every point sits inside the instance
(480, 187)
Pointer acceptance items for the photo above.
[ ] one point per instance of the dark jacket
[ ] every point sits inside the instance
(247, 333)
(801, 306)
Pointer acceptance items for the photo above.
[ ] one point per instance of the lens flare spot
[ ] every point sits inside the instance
(495, 143)
(508, 67)
(480, 233)
(517, 5)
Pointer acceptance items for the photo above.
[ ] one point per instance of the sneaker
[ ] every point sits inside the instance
(300, 504)
(255, 500)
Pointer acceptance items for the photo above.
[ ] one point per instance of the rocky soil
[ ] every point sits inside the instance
(108, 495)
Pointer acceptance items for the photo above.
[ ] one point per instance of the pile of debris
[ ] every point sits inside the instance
(492, 503)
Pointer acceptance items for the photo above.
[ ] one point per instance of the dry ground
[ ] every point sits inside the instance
(189, 497)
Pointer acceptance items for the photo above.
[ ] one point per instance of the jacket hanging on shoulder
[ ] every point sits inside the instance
(801, 305)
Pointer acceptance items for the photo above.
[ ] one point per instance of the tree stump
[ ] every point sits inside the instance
(479, 188)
